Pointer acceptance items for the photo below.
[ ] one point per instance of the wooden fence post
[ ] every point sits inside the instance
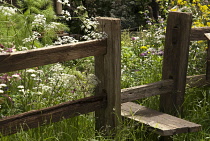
(58, 7)
(176, 60)
(108, 71)
(208, 58)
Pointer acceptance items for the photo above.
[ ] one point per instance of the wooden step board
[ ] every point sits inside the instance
(161, 123)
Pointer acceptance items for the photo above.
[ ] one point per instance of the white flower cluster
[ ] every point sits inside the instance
(95, 35)
(39, 20)
(65, 40)
(2, 86)
(56, 68)
(31, 38)
(7, 11)
(64, 2)
(81, 7)
(53, 25)
(66, 15)
(89, 24)
(59, 78)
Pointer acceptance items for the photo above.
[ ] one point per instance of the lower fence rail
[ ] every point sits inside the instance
(36, 118)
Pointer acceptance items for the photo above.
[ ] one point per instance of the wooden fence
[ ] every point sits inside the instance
(172, 86)
(106, 101)
(108, 97)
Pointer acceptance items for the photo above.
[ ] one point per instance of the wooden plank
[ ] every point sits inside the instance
(197, 81)
(43, 56)
(198, 33)
(159, 88)
(107, 69)
(207, 35)
(36, 118)
(175, 60)
(161, 123)
(4, 56)
(144, 91)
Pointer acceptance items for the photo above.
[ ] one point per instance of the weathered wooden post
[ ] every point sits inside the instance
(208, 58)
(176, 60)
(58, 7)
(108, 71)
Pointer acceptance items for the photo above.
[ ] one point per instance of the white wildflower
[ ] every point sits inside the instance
(39, 20)
(34, 36)
(1, 91)
(64, 2)
(30, 71)
(15, 75)
(39, 93)
(20, 87)
(81, 7)
(66, 15)
(33, 75)
(53, 25)
(7, 11)
(92, 79)
(65, 40)
(2, 85)
(22, 90)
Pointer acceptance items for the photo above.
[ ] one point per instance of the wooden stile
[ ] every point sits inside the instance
(160, 123)
(176, 60)
(107, 69)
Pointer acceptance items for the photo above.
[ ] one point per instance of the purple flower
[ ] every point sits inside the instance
(74, 90)
(134, 38)
(9, 50)
(5, 78)
(160, 53)
(143, 54)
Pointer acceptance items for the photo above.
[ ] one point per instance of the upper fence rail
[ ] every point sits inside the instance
(48, 55)
(198, 33)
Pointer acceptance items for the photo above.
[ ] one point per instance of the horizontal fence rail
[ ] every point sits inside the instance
(159, 88)
(43, 56)
(198, 33)
(144, 91)
(36, 118)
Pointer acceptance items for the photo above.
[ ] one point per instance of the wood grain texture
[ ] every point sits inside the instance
(43, 56)
(161, 123)
(197, 81)
(198, 33)
(108, 71)
(36, 118)
(147, 90)
(159, 88)
(175, 60)
(207, 35)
